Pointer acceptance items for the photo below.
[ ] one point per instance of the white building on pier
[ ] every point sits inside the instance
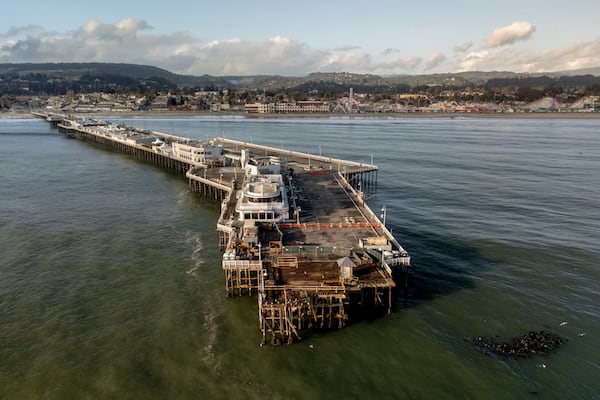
(198, 152)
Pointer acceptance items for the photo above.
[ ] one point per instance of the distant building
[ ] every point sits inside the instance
(160, 102)
(259, 108)
(312, 106)
(298, 107)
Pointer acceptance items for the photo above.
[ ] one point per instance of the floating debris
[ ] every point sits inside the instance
(563, 323)
(530, 344)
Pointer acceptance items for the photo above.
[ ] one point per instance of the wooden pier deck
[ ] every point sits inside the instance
(330, 262)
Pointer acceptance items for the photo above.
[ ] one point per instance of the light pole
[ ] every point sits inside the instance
(319, 151)
(259, 254)
(360, 193)
(383, 214)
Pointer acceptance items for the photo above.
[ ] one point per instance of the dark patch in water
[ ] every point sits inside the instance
(532, 343)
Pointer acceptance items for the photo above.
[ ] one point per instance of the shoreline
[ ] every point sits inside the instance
(171, 113)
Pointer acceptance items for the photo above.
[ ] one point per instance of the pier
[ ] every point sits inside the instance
(294, 227)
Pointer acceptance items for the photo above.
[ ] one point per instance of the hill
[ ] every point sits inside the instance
(57, 78)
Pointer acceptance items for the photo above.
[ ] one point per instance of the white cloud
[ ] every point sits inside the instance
(473, 60)
(94, 29)
(217, 43)
(510, 34)
(434, 60)
(129, 41)
(346, 61)
(133, 41)
(276, 55)
(582, 55)
(130, 26)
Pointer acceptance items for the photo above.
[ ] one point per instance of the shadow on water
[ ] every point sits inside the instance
(440, 267)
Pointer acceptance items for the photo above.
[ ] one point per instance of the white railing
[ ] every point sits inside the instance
(242, 264)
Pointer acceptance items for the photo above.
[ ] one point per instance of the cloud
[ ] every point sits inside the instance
(408, 64)
(16, 31)
(128, 27)
(277, 55)
(473, 61)
(346, 48)
(395, 65)
(581, 55)
(128, 40)
(25, 49)
(132, 40)
(510, 34)
(390, 51)
(464, 47)
(434, 60)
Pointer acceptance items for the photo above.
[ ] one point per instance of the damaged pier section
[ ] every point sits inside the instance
(295, 228)
(298, 233)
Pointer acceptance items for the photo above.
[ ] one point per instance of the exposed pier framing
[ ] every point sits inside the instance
(207, 188)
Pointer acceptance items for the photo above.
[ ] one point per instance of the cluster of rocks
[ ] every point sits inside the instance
(530, 344)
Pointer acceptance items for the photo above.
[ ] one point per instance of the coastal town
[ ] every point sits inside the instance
(261, 103)
(128, 88)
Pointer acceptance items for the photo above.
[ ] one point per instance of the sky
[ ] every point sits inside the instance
(296, 38)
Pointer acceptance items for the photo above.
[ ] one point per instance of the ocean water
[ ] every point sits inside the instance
(111, 287)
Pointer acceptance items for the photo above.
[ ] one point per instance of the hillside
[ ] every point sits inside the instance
(57, 78)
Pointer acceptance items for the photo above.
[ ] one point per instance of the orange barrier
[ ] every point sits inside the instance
(339, 225)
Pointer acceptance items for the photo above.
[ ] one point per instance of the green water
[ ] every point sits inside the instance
(111, 284)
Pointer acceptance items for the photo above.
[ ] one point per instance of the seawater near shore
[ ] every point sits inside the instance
(113, 289)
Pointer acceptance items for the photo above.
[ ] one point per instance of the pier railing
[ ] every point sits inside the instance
(317, 250)
(310, 157)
